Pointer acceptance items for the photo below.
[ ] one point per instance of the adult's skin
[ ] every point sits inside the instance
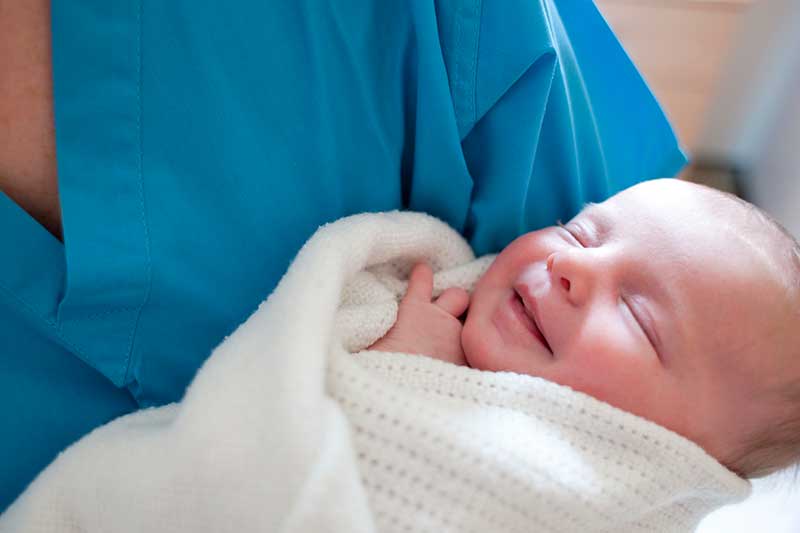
(27, 134)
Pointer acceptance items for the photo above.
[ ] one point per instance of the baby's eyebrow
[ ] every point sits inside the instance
(665, 329)
(597, 219)
(592, 209)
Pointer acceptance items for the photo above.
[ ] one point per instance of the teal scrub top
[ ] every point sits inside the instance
(199, 146)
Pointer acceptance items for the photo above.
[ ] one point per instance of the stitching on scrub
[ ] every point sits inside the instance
(474, 62)
(98, 315)
(148, 272)
(54, 329)
(462, 92)
(457, 83)
(465, 70)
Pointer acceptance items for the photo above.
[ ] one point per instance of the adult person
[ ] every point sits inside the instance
(196, 148)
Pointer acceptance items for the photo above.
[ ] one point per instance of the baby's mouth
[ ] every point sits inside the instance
(531, 322)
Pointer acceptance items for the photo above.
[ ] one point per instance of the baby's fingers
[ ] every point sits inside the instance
(420, 283)
(454, 300)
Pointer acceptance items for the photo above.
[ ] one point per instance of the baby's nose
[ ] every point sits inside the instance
(564, 281)
(572, 273)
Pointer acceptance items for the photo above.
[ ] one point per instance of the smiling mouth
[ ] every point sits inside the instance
(529, 319)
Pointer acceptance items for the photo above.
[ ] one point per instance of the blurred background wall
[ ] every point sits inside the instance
(727, 73)
(681, 47)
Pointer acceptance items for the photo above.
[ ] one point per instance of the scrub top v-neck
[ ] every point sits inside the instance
(199, 147)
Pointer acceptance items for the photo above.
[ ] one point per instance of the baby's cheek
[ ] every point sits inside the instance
(604, 343)
(614, 372)
(474, 345)
(481, 347)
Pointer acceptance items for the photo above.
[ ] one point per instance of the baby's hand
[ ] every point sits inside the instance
(425, 327)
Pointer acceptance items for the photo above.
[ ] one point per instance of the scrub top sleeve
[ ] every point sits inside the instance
(551, 113)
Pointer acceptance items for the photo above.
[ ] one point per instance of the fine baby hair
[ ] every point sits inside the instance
(775, 445)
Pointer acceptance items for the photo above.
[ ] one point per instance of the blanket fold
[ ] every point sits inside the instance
(289, 426)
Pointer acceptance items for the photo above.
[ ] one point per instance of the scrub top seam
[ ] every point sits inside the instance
(143, 214)
(101, 314)
(475, 59)
(588, 99)
(467, 28)
(53, 327)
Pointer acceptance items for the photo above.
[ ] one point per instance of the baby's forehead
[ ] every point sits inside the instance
(688, 212)
(589, 209)
(749, 325)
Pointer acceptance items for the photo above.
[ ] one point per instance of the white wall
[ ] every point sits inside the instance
(775, 186)
(754, 121)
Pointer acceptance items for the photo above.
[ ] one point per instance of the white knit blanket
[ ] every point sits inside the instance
(284, 430)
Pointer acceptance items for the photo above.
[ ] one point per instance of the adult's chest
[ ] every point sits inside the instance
(196, 153)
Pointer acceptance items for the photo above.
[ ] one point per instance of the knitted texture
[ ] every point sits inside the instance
(447, 448)
(285, 429)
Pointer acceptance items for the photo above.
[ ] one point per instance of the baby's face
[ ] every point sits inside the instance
(645, 302)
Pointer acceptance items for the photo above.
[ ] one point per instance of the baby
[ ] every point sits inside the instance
(669, 300)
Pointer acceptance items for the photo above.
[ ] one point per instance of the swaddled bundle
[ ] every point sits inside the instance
(285, 429)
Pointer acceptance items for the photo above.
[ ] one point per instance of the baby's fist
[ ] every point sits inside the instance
(425, 327)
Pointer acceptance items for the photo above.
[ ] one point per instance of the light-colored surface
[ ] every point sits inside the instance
(774, 184)
(753, 124)
(773, 507)
(758, 82)
(680, 46)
